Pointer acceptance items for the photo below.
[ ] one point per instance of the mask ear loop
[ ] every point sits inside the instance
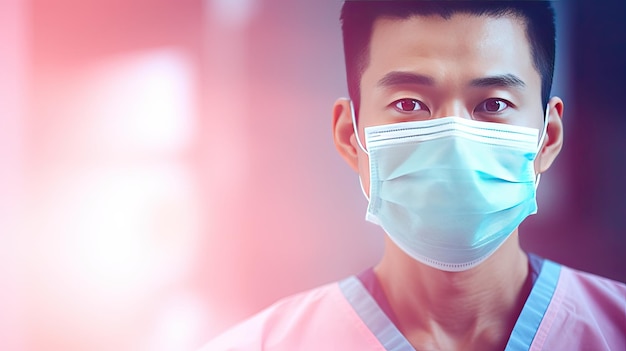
(358, 140)
(356, 132)
(541, 140)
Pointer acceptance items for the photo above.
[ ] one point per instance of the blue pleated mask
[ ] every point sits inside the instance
(449, 191)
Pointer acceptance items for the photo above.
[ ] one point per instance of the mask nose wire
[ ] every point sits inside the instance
(356, 131)
(541, 140)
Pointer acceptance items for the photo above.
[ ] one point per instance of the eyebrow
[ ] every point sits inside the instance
(505, 80)
(396, 78)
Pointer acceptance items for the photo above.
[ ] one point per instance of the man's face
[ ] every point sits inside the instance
(468, 66)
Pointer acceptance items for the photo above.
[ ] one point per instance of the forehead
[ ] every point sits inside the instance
(463, 46)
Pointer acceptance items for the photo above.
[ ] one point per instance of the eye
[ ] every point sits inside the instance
(409, 105)
(493, 105)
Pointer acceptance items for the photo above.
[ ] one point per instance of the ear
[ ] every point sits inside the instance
(343, 133)
(553, 140)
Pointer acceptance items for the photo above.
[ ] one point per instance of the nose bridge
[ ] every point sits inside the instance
(452, 107)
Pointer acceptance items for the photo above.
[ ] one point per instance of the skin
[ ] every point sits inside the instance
(474, 309)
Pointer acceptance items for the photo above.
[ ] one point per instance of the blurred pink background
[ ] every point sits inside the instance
(167, 169)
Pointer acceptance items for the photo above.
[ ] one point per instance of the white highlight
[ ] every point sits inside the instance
(232, 12)
(142, 102)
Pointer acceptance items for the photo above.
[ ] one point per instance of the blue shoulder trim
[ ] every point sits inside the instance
(373, 316)
(535, 307)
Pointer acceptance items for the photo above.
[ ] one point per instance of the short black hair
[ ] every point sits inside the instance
(358, 17)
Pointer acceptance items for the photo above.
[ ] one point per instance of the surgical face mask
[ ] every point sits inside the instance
(449, 191)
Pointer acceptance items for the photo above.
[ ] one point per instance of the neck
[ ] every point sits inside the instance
(476, 308)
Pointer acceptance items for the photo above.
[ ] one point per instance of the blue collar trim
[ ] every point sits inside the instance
(535, 307)
(371, 314)
(390, 337)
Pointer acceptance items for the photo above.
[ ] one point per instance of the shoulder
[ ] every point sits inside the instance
(589, 309)
(603, 293)
(317, 319)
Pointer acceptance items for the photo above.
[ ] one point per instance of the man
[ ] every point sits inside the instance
(449, 127)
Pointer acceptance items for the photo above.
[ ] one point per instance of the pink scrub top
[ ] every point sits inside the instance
(566, 310)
